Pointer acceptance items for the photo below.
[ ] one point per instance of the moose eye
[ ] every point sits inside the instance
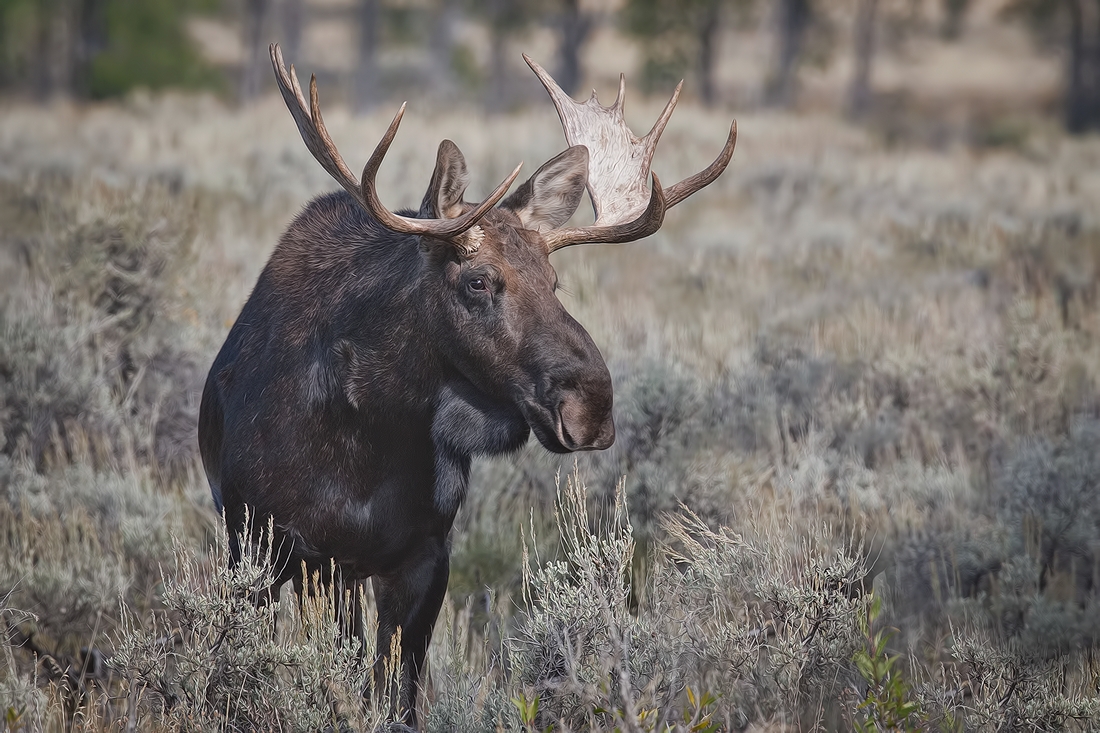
(478, 285)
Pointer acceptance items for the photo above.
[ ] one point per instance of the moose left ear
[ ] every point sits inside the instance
(443, 199)
(547, 199)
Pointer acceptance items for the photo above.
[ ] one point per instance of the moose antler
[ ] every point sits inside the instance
(619, 165)
(317, 140)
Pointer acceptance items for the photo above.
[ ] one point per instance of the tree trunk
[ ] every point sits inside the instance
(954, 13)
(859, 92)
(40, 76)
(1074, 101)
(367, 87)
(793, 20)
(1094, 91)
(576, 26)
(292, 20)
(1082, 101)
(54, 49)
(496, 91)
(90, 40)
(443, 48)
(254, 71)
(708, 51)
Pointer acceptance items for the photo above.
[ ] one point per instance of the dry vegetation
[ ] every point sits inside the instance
(847, 375)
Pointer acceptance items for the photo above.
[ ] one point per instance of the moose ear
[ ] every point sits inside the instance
(547, 199)
(449, 180)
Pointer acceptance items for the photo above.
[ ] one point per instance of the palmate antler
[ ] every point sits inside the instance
(619, 164)
(317, 140)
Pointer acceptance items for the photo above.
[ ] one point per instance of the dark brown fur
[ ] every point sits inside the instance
(368, 367)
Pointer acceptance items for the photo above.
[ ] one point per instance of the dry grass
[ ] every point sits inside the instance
(875, 367)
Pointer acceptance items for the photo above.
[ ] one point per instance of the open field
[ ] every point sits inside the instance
(875, 367)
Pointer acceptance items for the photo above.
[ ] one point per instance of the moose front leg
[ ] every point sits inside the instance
(410, 598)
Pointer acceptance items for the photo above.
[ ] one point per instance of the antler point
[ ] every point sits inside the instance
(620, 98)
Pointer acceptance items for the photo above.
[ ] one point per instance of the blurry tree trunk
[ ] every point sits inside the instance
(1082, 103)
(954, 13)
(53, 54)
(708, 51)
(1091, 75)
(1074, 73)
(496, 91)
(90, 40)
(443, 47)
(792, 22)
(292, 22)
(255, 69)
(576, 27)
(859, 92)
(39, 71)
(367, 88)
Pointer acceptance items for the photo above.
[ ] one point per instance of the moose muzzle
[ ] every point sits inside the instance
(585, 424)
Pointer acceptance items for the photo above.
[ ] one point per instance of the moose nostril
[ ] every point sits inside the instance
(584, 426)
(606, 437)
(567, 439)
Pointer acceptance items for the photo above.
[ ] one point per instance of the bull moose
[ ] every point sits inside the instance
(380, 351)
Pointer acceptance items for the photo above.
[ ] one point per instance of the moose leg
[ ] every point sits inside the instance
(410, 599)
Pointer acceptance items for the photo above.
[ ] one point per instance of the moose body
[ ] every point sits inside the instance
(379, 352)
(332, 380)
(335, 409)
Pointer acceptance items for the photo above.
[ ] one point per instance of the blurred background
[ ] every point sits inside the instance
(969, 69)
(869, 352)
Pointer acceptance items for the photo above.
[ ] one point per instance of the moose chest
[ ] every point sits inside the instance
(365, 498)
(410, 485)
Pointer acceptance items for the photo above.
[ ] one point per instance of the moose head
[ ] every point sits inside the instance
(490, 280)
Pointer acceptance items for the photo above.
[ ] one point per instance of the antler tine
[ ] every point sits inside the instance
(315, 135)
(471, 217)
(648, 223)
(620, 98)
(617, 169)
(619, 166)
(441, 228)
(705, 177)
(557, 94)
(322, 131)
(654, 135)
(309, 122)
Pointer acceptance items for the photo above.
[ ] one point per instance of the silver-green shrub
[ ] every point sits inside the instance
(767, 628)
(225, 653)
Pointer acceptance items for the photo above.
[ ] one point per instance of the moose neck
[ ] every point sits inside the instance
(383, 346)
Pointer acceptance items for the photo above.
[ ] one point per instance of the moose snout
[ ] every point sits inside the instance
(568, 401)
(583, 427)
(584, 410)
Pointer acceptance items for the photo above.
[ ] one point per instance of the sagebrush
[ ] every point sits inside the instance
(853, 372)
